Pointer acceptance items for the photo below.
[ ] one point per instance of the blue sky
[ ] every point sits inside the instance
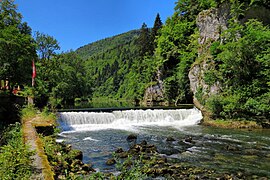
(75, 23)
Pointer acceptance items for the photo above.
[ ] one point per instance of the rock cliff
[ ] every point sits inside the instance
(210, 23)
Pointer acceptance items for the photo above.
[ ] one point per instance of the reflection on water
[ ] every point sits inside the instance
(224, 150)
(103, 103)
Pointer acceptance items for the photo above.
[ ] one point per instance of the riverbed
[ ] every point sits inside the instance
(223, 150)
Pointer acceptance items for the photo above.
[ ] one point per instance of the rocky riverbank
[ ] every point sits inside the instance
(65, 161)
(146, 160)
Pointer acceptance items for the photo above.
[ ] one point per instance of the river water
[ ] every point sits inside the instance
(97, 135)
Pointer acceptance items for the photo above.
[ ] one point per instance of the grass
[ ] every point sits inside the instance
(236, 124)
(15, 161)
(44, 118)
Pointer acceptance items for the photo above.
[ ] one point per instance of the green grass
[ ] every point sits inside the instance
(15, 161)
(237, 124)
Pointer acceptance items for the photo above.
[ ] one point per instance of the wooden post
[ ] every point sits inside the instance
(30, 100)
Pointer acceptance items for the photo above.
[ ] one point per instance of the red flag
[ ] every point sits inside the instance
(34, 73)
(34, 69)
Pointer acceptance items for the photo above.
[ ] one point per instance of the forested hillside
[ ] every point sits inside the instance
(120, 67)
(213, 52)
(104, 45)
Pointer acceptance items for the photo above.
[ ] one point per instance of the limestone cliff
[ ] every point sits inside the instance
(210, 24)
(154, 94)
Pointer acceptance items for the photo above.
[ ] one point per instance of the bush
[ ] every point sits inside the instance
(28, 112)
(15, 161)
(225, 106)
(214, 104)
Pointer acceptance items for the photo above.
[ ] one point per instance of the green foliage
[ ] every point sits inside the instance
(97, 176)
(259, 105)
(16, 45)
(143, 41)
(28, 112)
(191, 8)
(15, 156)
(243, 69)
(214, 50)
(170, 88)
(155, 33)
(60, 78)
(131, 169)
(201, 96)
(46, 46)
(176, 51)
(210, 77)
(65, 161)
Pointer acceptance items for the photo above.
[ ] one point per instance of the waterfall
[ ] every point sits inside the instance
(83, 121)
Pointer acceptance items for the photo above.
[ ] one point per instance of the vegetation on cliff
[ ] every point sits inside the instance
(156, 60)
(242, 67)
(235, 59)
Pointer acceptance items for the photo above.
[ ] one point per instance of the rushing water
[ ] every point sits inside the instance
(97, 135)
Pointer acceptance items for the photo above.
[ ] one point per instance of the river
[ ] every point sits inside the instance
(97, 135)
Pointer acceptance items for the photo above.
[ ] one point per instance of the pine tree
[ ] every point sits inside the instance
(154, 33)
(144, 40)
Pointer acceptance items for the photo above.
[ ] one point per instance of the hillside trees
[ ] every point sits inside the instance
(122, 66)
(17, 48)
(107, 70)
(239, 59)
(177, 49)
(60, 77)
(244, 72)
(155, 32)
(144, 41)
(70, 79)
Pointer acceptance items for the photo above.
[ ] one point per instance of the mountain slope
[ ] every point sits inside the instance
(113, 66)
(106, 44)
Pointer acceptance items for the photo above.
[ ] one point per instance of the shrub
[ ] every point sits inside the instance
(15, 161)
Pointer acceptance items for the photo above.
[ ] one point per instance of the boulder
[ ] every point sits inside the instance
(119, 150)
(144, 143)
(170, 138)
(132, 137)
(111, 161)
(188, 139)
(123, 155)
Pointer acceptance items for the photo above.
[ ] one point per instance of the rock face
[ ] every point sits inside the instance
(210, 23)
(154, 94)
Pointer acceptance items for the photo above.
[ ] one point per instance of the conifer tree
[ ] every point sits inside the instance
(155, 32)
(144, 40)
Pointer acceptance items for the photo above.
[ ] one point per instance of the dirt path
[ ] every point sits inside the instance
(42, 169)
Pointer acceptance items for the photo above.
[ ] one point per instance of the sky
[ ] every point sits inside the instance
(75, 23)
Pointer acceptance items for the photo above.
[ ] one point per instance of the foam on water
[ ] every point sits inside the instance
(128, 120)
(90, 139)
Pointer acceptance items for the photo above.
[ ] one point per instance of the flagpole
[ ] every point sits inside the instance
(30, 98)
(33, 73)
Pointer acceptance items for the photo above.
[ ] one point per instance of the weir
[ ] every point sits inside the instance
(124, 119)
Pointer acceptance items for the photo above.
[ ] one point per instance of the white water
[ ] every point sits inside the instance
(128, 120)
